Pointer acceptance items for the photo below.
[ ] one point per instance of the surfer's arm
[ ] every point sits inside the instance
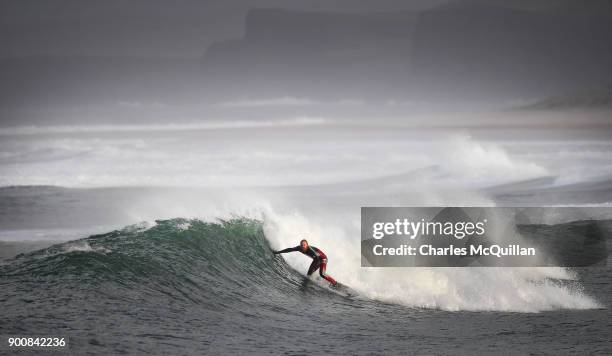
(290, 249)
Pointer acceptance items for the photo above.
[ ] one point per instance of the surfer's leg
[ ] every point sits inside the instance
(313, 266)
(324, 275)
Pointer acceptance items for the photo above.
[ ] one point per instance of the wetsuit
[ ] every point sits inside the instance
(319, 260)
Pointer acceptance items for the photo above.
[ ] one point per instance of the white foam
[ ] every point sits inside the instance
(476, 163)
(452, 289)
(190, 156)
(83, 246)
(51, 234)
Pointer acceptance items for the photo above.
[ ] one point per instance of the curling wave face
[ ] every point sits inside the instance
(186, 259)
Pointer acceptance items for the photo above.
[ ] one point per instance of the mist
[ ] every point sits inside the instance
(133, 62)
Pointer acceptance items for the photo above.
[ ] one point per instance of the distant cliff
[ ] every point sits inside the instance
(303, 53)
(500, 47)
(468, 49)
(594, 99)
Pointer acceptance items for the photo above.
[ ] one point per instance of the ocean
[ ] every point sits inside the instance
(158, 239)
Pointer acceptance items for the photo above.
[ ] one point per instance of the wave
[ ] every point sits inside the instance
(186, 259)
(234, 158)
(213, 262)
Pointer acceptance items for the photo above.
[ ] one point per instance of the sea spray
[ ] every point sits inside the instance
(453, 289)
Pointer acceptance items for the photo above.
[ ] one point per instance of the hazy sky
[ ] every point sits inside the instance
(145, 27)
(144, 60)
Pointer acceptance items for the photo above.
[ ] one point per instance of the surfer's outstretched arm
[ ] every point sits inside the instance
(290, 249)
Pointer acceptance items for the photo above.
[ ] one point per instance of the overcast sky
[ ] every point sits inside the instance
(179, 28)
(145, 58)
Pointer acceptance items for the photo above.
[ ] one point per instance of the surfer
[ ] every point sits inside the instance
(319, 259)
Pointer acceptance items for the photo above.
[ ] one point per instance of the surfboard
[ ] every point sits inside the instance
(339, 288)
(343, 290)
